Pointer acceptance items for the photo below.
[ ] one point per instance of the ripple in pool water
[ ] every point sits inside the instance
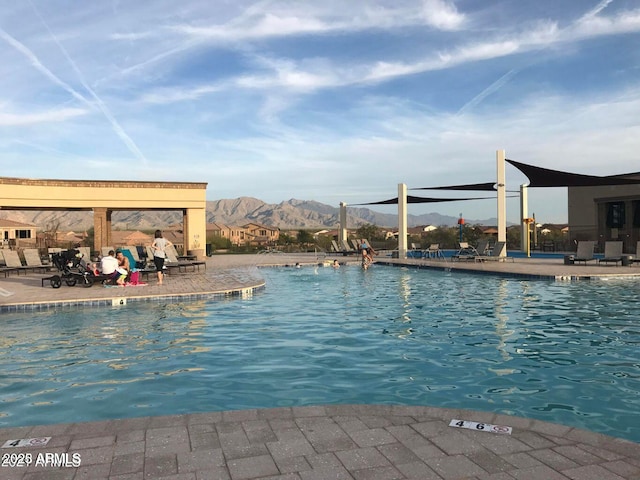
(560, 352)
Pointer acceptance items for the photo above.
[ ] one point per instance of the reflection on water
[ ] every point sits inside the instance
(319, 335)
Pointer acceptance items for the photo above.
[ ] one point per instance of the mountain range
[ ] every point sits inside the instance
(290, 214)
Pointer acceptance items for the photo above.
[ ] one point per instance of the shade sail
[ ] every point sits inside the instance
(545, 177)
(412, 199)
(485, 187)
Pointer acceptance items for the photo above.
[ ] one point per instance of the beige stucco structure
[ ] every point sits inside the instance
(588, 208)
(103, 197)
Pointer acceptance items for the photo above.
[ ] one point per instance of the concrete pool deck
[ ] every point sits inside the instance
(307, 443)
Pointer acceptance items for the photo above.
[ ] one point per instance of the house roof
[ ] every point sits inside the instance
(6, 223)
(216, 226)
(260, 225)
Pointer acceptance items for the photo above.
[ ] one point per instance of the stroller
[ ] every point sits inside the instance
(72, 269)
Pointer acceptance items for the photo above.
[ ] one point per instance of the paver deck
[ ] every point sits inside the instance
(307, 443)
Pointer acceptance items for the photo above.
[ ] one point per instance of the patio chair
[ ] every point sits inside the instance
(466, 252)
(433, 251)
(636, 257)
(347, 248)
(33, 260)
(6, 270)
(495, 254)
(335, 248)
(585, 251)
(182, 264)
(612, 252)
(140, 264)
(483, 247)
(13, 262)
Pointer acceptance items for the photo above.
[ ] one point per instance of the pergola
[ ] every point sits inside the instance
(105, 197)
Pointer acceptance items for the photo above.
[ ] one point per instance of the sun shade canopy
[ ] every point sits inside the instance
(485, 187)
(545, 177)
(412, 199)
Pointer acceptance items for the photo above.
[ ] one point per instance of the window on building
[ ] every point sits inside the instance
(636, 214)
(23, 233)
(615, 214)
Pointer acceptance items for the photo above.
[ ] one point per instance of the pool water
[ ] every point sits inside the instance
(560, 352)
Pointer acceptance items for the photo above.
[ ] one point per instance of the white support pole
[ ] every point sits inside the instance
(342, 232)
(402, 220)
(502, 198)
(524, 213)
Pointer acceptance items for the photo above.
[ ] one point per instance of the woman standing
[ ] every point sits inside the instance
(158, 246)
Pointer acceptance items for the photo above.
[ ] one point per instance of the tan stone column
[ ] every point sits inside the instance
(101, 228)
(194, 224)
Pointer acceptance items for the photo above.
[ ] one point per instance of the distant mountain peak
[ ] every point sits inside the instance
(289, 214)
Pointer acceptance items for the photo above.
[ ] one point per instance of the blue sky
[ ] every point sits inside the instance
(329, 101)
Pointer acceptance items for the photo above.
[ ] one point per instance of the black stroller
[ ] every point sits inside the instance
(72, 269)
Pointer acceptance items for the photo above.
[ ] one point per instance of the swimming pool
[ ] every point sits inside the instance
(560, 352)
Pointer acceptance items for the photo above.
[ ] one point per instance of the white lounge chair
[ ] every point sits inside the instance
(32, 259)
(433, 251)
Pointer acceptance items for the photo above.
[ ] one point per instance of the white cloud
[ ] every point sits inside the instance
(442, 15)
(33, 118)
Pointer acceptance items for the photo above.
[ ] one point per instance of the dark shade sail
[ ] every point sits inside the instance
(412, 199)
(484, 187)
(545, 177)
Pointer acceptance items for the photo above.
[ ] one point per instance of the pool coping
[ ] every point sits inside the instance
(320, 442)
(122, 300)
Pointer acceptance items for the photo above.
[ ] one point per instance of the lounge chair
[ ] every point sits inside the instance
(342, 251)
(3, 266)
(483, 247)
(495, 254)
(585, 251)
(636, 257)
(356, 244)
(86, 253)
(13, 262)
(433, 251)
(466, 252)
(347, 248)
(133, 251)
(183, 265)
(612, 252)
(32, 258)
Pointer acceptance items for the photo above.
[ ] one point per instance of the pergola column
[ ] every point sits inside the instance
(402, 220)
(342, 232)
(524, 213)
(502, 198)
(194, 225)
(101, 228)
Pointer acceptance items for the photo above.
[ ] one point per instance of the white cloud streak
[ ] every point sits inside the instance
(117, 128)
(54, 116)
